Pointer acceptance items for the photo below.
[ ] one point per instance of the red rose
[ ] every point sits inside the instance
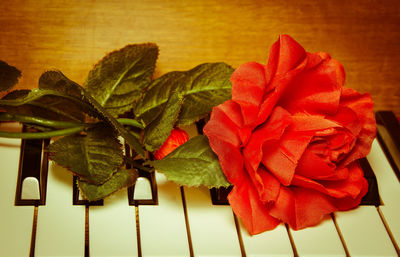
(175, 139)
(290, 139)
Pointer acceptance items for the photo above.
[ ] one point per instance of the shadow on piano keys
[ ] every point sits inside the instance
(177, 221)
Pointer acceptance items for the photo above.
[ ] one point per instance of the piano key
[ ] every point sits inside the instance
(212, 227)
(372, 196)
(389, 188)
(144, 192)
(390, 216)
(270, 243)
(16, 221)
(388, 185)
(142, 189)
(30, 189)
(60, 225)
(219, 196)
(32, 173)
(389, 138)
(112, 227)
(364, 233)
(79, 200)
(329, 243)
(163, 226)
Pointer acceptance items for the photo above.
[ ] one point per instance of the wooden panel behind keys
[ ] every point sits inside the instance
(73, 35)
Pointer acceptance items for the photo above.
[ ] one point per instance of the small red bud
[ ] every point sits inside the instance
(175, 139)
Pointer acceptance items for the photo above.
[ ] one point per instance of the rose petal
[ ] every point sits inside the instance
(301, 207)
(222, 133)
(305, 122)
(246, 205)
(223, 124)
(310, 207)
(272, 130)
(266, 185)
(281, 157)
(347, 203)
(351, 187)
(230, 159)
(284, 209)
(304, 182)
(354, 183)
(317, 89)
(285, 54)
(312, 166)
(248, 85)
(347, 118)
(270, 186)
(286, 60)
(361, 104)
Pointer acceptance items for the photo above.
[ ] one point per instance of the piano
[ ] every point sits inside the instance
(45, 216)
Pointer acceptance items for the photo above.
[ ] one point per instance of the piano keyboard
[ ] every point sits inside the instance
(163, 219)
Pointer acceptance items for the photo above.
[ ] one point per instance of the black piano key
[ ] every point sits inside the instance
(200, 125)
(219, 196)
(389, 138)
(372, 197)
(150, 176)
(33, 163)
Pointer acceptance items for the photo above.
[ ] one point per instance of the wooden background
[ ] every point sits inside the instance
(73, 35)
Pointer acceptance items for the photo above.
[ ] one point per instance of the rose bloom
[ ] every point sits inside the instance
(290, 138)
(174, 140)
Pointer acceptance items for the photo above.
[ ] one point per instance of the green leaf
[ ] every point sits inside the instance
(43, 103)
(120, 179)
(57, 80)
(193, 164)
(9, 76)
(117, 81)
(204, 87)
(158, 131)
(94, 156)
(155, 99)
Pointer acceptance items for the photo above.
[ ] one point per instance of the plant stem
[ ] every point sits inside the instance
(137, 165)
(40, 135)
(130, 122)
(38, 121)
(63, 127)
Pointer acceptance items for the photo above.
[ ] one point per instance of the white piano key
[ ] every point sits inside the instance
(163, 227)
(388, 184)
(142, 189)
(270, 243)
(320, 240)
(112, 227)
(30, 189)
(60, 225)
(389, 190)
(16, 221)
(364, 233)
(391, 218)
(212, 227)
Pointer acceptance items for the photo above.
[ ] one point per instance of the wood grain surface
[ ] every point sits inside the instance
(73, 35)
